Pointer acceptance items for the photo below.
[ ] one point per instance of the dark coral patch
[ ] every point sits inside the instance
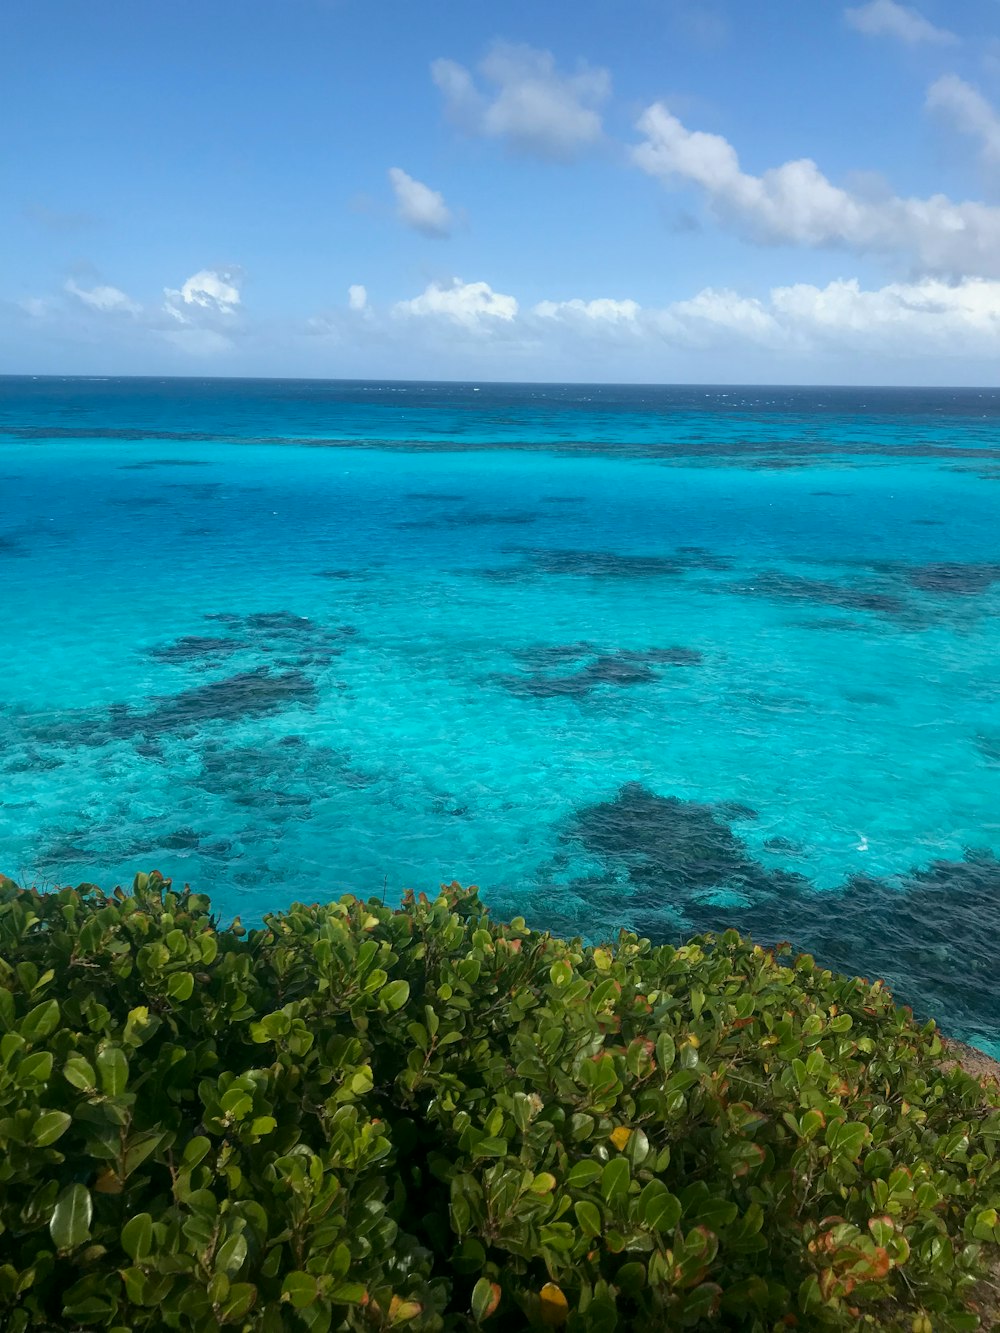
(667, 846)
(845, 626)
(779, 586)
(284, 631)
(617, 565)
(246, 694)
(469, 519)
(144, 465)
(197, 490)
(935, 941)
(195, 648)
(547, 656)
(683, 868)
(953, 579)
(782, 846)
(620, 669)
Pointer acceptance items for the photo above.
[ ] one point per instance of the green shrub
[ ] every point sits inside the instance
(359, 1118)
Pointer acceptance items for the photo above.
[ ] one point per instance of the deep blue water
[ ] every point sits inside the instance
(663, 658)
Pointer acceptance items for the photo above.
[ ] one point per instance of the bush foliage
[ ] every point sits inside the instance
(360, 1118)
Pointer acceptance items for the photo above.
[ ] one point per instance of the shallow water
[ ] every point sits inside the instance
(656, 658)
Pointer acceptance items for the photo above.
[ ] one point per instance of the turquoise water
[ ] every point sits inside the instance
(667, 659)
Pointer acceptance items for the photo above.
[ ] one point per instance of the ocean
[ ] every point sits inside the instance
(667, 659)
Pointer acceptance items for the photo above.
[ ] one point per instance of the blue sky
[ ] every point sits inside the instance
(651, 190)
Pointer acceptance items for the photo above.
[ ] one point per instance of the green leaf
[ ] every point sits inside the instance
(300, 1289)
(657, 1208)
(582, 1174)
(666, 1051)
(80, 1073)
(70, 1222)
(112, 1068)
(35, 1068)
(589, 1217)
(878, 1163)
(231, 1255)
(40, 1022)
(241, 1299)
(485, 1299)
(615, 1180)
(196, 1150)
(180, 986)
(348, 1293)
(394, 995)
(50, 1126)
(137, 1236)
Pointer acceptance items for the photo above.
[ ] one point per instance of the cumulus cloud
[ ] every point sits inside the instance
(418, 205)
(526, 101)
(969, 112)
(599, 313)
(209, 289)
(473, 305)
(886, 18)
(357, 297)
(795, 203)
(929, 317)
(104, 299)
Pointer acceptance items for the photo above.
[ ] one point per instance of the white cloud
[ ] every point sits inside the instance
(474, 305)
(418, 205)
(722, 309)
(604, 311)
(529, 104)
(929, 316)
(796, 203)
(886, 18)
(970, 112)
(104, 299)
(208, 289)
(357, 297)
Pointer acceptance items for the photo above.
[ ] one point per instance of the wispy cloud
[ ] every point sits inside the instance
(970, 112)
(526, 101)
(419, 206)
(886, 18)
(103, 298)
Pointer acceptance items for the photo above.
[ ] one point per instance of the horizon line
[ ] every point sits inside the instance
(501, 383)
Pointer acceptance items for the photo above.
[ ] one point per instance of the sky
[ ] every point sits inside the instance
(655, 191)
